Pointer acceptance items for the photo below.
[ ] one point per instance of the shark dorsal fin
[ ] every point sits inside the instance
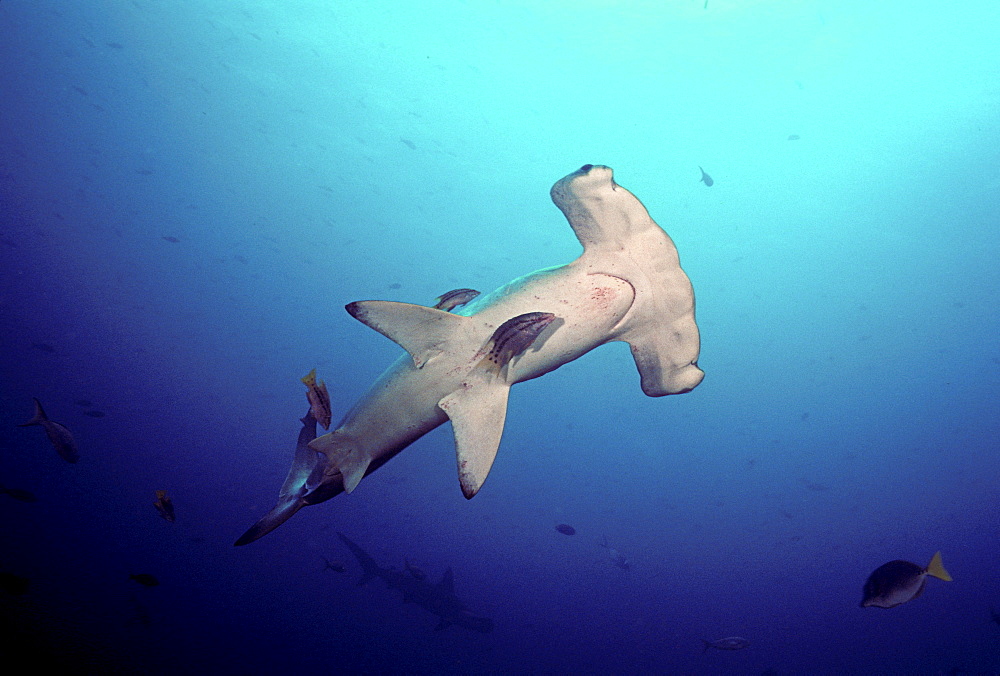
(422, 331)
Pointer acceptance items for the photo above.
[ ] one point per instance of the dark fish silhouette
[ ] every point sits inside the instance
(728, 643)
(897, 582)
(794, 137)
(58, 435)
(94, 414)
(706, 179)
(995, 616)
(86, 403)
(19, 494)
(566, 529)
(171, 239)
(164, 505)
(453, 299)
(438, 599)
(145, 579)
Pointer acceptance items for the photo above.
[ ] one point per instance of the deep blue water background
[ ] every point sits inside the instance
(308, 154)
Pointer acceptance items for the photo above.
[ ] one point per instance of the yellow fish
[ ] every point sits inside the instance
(319, 399)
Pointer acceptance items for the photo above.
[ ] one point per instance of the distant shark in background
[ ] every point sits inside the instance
(627, 285)
(436, 598)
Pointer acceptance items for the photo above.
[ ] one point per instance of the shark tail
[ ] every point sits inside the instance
(370, 569)
(303, 485)
(39, 416)
(287, 506)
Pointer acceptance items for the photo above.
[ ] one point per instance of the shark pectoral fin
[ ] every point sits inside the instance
(342, 455)
(422, 331)
(477, 411)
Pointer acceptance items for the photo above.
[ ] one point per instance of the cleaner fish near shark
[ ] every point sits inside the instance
(627, 285)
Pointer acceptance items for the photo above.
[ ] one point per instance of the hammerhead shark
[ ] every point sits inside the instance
(627, 285)
(436, 598)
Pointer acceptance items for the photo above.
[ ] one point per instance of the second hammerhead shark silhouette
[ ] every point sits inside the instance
(627, 285)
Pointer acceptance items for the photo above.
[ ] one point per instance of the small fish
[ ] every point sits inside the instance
(728, 643)
(995, 616)
(897, 582)
(566, 529)
(706, 179)
(513, 337)
(95, 414)
(43, 347)
(86, 403)
(319, 399)
(58, 435)
(164, 505)
(453, 299)
(145, 579)
(395, 285)
(15, 585)
(19, 494)
(794, 137)
(171, 238)
(335, 566)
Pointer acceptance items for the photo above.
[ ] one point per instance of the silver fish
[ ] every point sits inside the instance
(60, 437)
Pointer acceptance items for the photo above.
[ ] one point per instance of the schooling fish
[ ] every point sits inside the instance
(706, 179)
(58, 435)
(897, 582)
(453, 299)
(164, 505)
(319, 399)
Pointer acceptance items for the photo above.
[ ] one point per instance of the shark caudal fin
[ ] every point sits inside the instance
(936, 568)
(478, 408)
(300, 487)
(369, 568)
(424, 332)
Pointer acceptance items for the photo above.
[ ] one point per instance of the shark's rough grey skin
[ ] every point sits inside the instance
(438, 598)
(627, 285)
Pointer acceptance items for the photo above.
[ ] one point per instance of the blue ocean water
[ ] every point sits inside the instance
(191, 191)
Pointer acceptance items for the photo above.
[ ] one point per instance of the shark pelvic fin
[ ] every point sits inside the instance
(344, 456)
(422, 331)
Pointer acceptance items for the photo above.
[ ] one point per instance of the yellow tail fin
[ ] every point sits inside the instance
(936, 568)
